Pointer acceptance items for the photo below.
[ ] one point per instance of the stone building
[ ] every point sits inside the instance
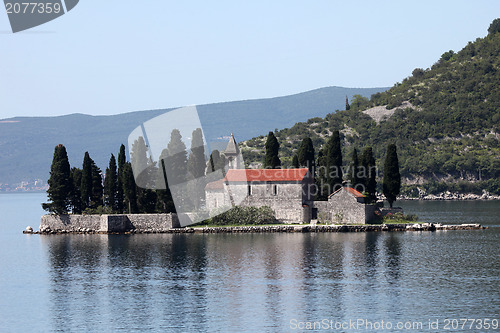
(289, 192)
(347, 206)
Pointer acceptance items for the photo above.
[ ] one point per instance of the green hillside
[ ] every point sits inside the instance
(445, 120)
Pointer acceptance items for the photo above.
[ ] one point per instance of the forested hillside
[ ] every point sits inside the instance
(445, 120)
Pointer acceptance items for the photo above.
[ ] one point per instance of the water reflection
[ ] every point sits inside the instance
(239, 282)
(127, 281)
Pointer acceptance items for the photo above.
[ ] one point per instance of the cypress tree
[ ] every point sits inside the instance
(164, 201)
(305, 154)
(111, 185)
(119, 191)
(321, 179)
(86, 184)
(140, 162)
(129, 188)
(354, 170)
(97, 188)
(216, 161)
(196, 161)
(60, 184)
(334, 162)
(139, 155)
(91, 186)
(369, 174)
(146, 200)
(176, 168)
(295, 161)
(392, 177)
(271, 159)
(176, 163)
(76, 194)
(196, 165)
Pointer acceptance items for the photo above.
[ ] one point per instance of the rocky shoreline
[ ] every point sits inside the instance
(451, 196)
(275, 229)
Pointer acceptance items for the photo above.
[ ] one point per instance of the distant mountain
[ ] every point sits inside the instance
(27, 143)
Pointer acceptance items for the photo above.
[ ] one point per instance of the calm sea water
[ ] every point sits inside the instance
(250, 282)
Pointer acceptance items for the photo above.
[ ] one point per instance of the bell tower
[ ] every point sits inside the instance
(232, 153)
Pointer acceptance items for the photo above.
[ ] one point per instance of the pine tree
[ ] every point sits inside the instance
(369, 174)
(272, 160)
(334, 162)
(494, 27)
(60, 184)
(392, 177)
(111, 185)
(76, 194)
(305, 155)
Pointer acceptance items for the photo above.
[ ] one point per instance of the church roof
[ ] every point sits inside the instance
(232, 146)
(217, 185)
(349, 190)
(265, 175)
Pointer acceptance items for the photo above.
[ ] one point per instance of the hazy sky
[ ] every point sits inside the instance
(115, 56)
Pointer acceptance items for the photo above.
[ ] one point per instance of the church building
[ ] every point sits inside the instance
(289, 192)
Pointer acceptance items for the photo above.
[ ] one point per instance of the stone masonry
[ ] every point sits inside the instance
(109, 223)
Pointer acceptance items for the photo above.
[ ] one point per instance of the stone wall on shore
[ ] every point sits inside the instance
(152, 223)
(108, 223)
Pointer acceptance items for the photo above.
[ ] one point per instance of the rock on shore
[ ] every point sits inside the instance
(282, 228)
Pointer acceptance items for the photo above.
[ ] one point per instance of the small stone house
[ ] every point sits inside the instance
(346, 206)
(287, 191)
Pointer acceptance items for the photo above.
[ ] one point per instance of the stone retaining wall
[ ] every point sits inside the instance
(108, 223)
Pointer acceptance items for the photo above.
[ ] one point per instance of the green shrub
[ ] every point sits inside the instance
(400, 217)
(243, 216)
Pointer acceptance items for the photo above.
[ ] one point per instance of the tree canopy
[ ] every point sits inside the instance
(60, 183)
(271, 159)
(392, 178)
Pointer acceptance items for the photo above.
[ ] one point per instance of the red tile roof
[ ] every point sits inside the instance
(265, 175)
(354, 192)
(349, 190)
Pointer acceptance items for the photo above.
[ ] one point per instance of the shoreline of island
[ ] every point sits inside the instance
(278, 228)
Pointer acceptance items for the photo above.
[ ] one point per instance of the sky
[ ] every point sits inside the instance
(115, 56)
